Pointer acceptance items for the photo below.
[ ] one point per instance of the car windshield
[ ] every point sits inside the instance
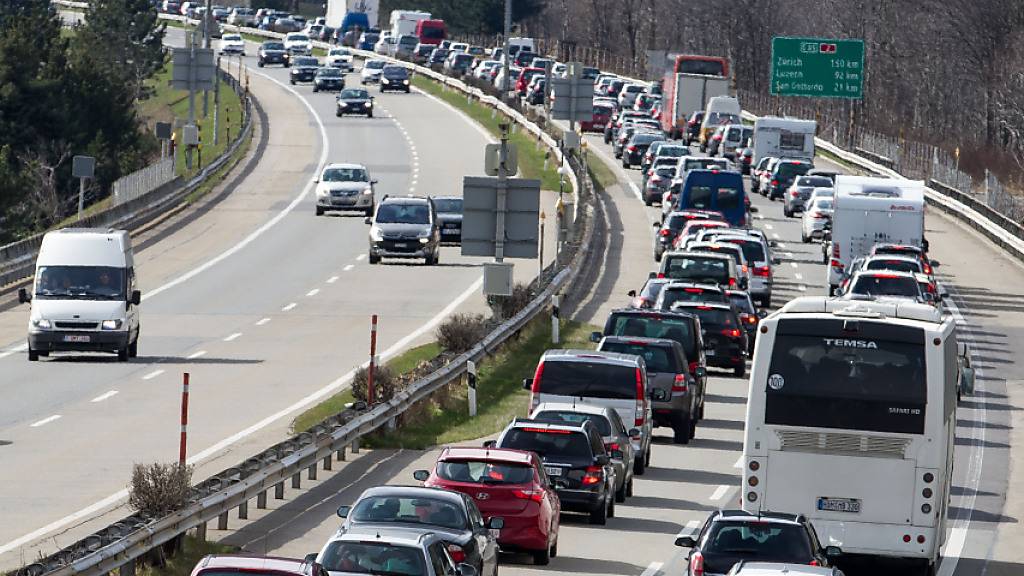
(374, 64)
(645, 139)
(666, 172)
(378, 558)
(897, 265)
(658, 358)
(345, 175)
(273, 46)
(395, 72)
(401, 213)
(674, 294)
(788, 170)
(231, 38)
(742, 302)
(673, 151)
(604, 428)
(306, 62)
(813, 182)
(822, 204)
(354, 94)
(329, 73)
(80, 282)
(411, 509)
(697, 268)
(484, 472)
(589, 379)
(765, 541)
(753, 250)
(296, 38)
(448, 205)
(556, 443)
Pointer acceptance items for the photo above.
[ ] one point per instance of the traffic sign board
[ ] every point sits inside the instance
(817, 67)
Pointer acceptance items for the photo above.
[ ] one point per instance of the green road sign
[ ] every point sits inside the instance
(818, 67)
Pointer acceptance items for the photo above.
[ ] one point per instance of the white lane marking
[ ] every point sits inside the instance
(289, 307)
(719, 492)
(794, 264)
(691, 527)
(361, 257)
(788, 254)
(262, 321)
(652, 569)
(758, 217)
(152, 374)
(348, 267)
(775, 235)
(45, 421)
(232, 337)
(636, 190)
(324, 149)
(769, 227)
(313, 292)
(104, 396)
(15, 350)
(802, 288)
(195, 355)
(798, 276)
(332, 279)
(780, 245)
(739, 463)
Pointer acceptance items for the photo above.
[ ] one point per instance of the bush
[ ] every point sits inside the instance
(460, 332)
(385, 384)
(159, 489)
(505, 307)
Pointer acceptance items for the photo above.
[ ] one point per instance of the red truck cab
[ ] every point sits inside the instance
(431, 31)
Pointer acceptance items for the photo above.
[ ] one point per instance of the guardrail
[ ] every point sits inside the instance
(118, 546)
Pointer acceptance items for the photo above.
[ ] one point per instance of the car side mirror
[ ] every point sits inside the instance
(631, 293)
(617, 454)
(652, 275)
(467, 570)
(656, 225)
(833, 551)
(23, 296)
(743, 283)
(343, 511)
(595, 337)
(136, 297)
(773, 243)
(762, 313)
(776, 261)
(374, 181)
(602, 460)
(496, 523)
(490, 443)
(527, 383)
(686, 542)
(754, 209)
(943, 295)
(421, 475)
(929, 297)
(700, 372)
(935, 263)
(310, 558)
(658, 395)
(367, 220)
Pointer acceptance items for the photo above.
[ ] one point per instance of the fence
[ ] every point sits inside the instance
(141, 182)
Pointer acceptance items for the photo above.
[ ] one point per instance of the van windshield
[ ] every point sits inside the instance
(80, 282)
(589, 380)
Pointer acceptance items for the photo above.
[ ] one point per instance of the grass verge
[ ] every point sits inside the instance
(600, 172)
(500, 396)
(531, 159)
(182, 563)
(401, 364)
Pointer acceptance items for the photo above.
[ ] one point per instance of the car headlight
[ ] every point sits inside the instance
(424, 240)
(375, 234)
(385, 80)
(322, 192)
(42, 323)
(342, 104)
(112, 324)
(368, 191)
(368, 104)
(406, 82)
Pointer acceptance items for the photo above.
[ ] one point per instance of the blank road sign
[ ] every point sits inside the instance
(479, 216)
(83, 167)
(204, 68)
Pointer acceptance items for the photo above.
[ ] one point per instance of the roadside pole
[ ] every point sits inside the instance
(370, 391)
(184, 420)
(216, 103)
(502, 197)
(505, 57)
(555, 322)
(471, 386)
(207, 20)
(191, 94)
(540, 256)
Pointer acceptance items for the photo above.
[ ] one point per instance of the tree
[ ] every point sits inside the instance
(123, 38)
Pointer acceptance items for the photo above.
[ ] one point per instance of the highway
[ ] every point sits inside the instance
(265, 305)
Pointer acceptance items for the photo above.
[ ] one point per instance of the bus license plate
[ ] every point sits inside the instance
(552, 471)
(76, 338)
(839, 504)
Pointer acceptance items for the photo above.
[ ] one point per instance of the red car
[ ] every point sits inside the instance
(602, 114)
(525, 75)
(506, 483)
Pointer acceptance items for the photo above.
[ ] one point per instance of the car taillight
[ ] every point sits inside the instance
(535, 495)
(748, 318)
(716, 137)
(631, 148)
(611, 446)
(693, 367)
(456, 552)
(535, 386)
(731, 332)
(679, 384)
(697, 564)
(665, 232)
(732, 282)
(762, 271)
(661, 274)
(594, 475)
(775, 182)
(927, 269)
(641, 400)
(814, 563)
(794, 194)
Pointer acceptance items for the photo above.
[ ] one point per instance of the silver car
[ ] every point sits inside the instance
(796, 196)
(757, 251)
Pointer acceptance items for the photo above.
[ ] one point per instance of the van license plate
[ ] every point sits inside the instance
(401, 245)
(76, 338)
(839, 504)
(552, 471)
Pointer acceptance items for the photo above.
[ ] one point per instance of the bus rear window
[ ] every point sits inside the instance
(852, 382)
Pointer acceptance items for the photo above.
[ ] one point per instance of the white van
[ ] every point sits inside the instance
(517, 44)
(784, 138)
(720, 110)
(608, 379)
(84, 297)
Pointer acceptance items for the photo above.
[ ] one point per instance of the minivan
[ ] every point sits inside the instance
(84, 297)
(701, 267)
(718, 190)
(618, 381)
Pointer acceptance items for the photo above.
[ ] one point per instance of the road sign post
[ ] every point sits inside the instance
(817, 67)
(574, 96)
(83, 168)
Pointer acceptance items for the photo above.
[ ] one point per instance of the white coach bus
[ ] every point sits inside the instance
(850, 421)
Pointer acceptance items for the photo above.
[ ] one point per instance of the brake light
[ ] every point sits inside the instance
(927, 269)
(456, 552)
(679, 384)
(641, 400)
(611, 446)
(693, 290)
(794, 194)
(716, 137)
(535, 386)
(594, 475)
(814, 563)
(731, 332)
(631, 148)
(693, 367)
(697, 564)
(535, 495)
(762, 271)
(546, 431)
(836, 264)
(886, 276)
(661, 274)
(665, 232)
(732, 282)
(749, 318)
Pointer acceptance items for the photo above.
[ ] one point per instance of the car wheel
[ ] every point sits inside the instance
(122, 355)
(293, 82)
(315, 89)
(133, 348)
(620, 494)
(319, 211)
(374, 259)
(740, 371)
(369, 212)
(700, 411)
(338, 113)
(554, 548)
(804, 238)
(629, 487)
(599, 516)
(640, 465)
(657, 256)
(648, 201)
(542, 557)
(625, 164)
(681, 430)
(407, 90)
(260, 63)
(369, 114)
(33, 355)
(611, 507)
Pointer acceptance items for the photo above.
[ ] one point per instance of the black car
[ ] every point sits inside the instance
(575, 461)
(783, 174)
(272, 53)
(682, 327)
(436, 59)
(750, 317)
(405, 227)
(725, 340)
(732, 536)
(354, 101)
(449, 218)
(451, 515)
(304, 69)
(394, 78)
(329, 79)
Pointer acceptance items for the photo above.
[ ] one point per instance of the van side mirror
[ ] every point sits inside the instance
(595, 337)
(935, 263)
(343, 511)
(700, 372)
(421, 475)
(602, 460)
(527, 383)
(23, 296)
(374, 181)
(656, 224)
(136, 297)
(762, 313)
(686, 542)
(776, 261)
(773, 243)
(754, 209)
(310, 558)
(631, 293)
(490, 443)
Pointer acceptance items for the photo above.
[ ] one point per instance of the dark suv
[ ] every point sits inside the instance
(679, 326)
(732, 536)
(394, 78)
(668, 370)
(405, 227)
(303, 69)
(575, 462)
(783, 175)
(725, 339)
(272, 53)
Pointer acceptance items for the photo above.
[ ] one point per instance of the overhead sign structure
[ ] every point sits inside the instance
(817, 67)
(573, 96)
(204, 65)
(480, 216)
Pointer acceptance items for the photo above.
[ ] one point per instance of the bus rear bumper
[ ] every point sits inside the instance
(887, 540)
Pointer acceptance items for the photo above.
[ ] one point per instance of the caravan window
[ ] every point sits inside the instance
(791, 140)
